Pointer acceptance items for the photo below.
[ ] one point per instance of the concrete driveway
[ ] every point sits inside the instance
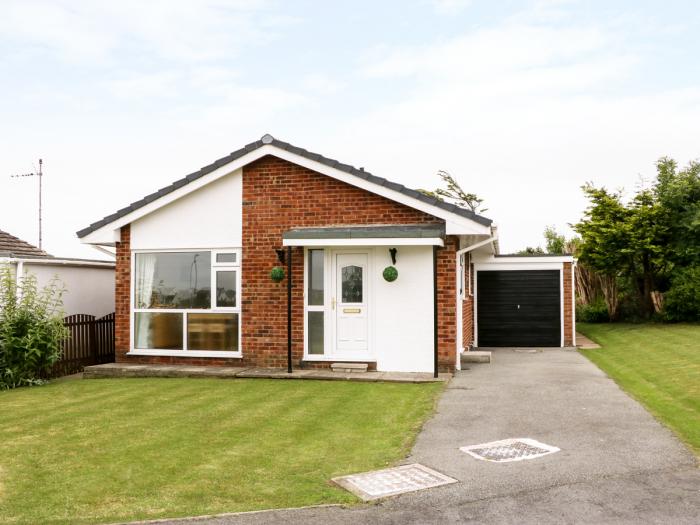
(617, 464)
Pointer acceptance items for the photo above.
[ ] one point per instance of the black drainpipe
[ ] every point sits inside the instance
(435, 313)
(289, 309)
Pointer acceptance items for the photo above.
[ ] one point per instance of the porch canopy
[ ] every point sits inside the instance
(381, 235)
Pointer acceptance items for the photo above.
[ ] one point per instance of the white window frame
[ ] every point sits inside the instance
(325, 356)
(185, 311)
(329, 268)
(464, 282)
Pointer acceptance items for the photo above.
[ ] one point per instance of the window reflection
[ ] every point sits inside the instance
(173, 280)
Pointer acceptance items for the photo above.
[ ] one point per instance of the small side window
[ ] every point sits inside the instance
(227, 257)
(226, 285)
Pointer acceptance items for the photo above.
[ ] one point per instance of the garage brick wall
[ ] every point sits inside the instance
(569, 313)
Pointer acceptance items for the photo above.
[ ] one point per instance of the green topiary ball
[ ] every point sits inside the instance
(390, 274)
(277, 274)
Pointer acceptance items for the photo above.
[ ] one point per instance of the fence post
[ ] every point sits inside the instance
(92, 334)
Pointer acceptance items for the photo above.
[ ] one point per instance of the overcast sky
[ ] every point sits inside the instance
(522, 102)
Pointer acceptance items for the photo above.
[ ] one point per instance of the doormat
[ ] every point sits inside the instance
(509, 450)
(392, 481)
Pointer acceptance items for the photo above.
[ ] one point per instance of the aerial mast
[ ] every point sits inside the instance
(38, 173)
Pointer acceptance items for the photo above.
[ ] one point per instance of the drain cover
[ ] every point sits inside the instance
(509, 450)
(392, 481)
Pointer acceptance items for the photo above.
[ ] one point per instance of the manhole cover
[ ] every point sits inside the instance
(392, 481)
(509, 450)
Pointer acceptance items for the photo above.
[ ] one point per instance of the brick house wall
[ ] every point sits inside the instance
(277, 196)
(468, 309)
(568, 305)
(122, 291)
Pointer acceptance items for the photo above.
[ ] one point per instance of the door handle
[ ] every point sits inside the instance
(333, 303)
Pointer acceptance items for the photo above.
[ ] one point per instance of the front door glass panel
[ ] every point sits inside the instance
(351, 286)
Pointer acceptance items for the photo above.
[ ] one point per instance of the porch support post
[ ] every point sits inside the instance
(289, 309)
(435, 313)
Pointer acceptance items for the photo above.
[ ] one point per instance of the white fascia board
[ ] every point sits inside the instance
(402, 241)
(549, 265)
(454, 224)
(482, 258)
(61, 262)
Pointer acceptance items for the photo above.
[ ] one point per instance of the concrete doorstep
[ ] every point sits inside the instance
(476, 356)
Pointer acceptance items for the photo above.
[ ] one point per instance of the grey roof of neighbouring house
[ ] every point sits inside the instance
(401, 231)
(269, 139)
(11, 246)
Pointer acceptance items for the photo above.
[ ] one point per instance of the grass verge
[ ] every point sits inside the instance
(659, 365)
(107, 450)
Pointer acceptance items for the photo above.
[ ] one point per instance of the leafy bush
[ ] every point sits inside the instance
(596, 312)
(31, 329)
(682, 301)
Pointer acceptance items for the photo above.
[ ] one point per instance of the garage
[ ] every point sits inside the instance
(519, 302)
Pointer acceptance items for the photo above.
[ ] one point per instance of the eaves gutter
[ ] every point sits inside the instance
(59, 262)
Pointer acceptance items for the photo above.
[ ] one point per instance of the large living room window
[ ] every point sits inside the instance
(186, 302)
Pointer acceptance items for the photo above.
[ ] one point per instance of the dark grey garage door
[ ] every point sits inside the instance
(518, 308)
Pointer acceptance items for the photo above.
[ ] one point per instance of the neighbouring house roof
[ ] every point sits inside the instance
(419, 231)
(269, 140)
(11, 246)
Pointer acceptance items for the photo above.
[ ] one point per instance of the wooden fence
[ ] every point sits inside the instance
(90, 342)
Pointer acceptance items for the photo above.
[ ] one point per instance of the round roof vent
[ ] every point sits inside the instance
(267, 138)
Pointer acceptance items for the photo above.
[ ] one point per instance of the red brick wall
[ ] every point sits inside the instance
(447, 306)
(122, 280)
(569, 321)
(468, 309)
(277, 196)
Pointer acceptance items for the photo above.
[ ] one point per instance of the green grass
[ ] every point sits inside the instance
(107, 450)
(659, 365)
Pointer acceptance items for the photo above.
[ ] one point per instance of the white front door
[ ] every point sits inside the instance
(349, 304)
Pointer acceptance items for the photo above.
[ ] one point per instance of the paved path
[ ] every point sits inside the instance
(109, 370)
(616, 465)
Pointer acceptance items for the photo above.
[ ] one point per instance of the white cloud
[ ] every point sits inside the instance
(321, 83)
(523, 113)
(90, 32)
(450, 7)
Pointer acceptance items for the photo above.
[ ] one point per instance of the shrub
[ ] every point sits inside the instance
(31, 329)
(596, 312)
(682, 301)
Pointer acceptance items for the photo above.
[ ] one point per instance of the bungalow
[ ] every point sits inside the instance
(88, 284)
(365, 271)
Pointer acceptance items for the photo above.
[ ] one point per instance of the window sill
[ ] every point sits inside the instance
(187, 353)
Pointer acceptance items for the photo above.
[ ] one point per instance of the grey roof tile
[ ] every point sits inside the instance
(299, 151)
(11, 246)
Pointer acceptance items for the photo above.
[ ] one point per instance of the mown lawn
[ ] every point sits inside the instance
(95, 451)
(657, 364)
